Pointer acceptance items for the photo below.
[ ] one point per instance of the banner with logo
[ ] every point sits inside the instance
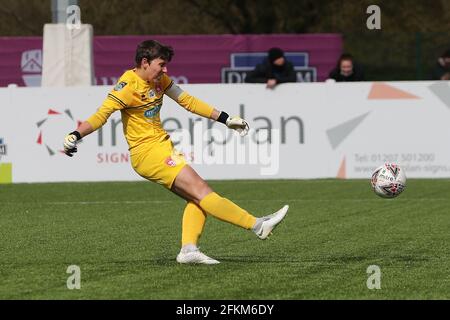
(322, 130)
(198, 59)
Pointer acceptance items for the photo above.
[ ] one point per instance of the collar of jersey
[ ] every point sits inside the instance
(140, 81)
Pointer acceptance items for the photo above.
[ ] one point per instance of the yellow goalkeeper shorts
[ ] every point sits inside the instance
(160, 163)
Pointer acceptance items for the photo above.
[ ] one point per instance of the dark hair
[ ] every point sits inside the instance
(152, 49)
(344, 56)
(446, 54)
(275, 53)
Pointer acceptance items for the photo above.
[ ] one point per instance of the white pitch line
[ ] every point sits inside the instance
(251, 200)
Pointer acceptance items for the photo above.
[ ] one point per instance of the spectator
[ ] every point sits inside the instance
(346, 70)
(273, 70)
(442, 68)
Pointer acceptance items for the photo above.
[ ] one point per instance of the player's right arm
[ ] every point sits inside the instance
(117, 99)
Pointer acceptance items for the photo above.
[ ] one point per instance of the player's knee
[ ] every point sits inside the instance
(201, 191)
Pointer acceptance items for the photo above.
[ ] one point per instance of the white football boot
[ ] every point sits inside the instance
(270, 222)
(195, 257)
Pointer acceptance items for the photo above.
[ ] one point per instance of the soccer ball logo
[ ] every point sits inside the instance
(388, 181)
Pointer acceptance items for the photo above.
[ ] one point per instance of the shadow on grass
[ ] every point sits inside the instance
(323, 261)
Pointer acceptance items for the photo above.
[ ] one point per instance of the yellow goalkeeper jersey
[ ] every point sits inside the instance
(140, 102)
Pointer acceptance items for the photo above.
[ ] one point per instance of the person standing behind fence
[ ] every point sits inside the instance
(441, 70)
(346, 70)
(275, 69)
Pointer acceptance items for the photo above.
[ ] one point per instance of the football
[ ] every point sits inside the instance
(388, 180)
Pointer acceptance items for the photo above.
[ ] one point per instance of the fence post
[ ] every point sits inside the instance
(418, 46)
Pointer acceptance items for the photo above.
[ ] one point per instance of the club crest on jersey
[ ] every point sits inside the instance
(151, 93)
(120, 86)
(150, 113)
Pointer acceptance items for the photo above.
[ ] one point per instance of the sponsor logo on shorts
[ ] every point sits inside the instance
(170, 162)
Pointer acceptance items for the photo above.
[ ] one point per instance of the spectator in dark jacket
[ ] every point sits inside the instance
(346, 70)
(442, 69)
(273, 70)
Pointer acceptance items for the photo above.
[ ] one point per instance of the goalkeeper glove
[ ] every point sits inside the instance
(235, 123)
(70, 143)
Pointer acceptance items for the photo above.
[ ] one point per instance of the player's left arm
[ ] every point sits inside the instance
(203, 109)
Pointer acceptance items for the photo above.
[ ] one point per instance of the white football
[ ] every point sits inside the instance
(388, 180)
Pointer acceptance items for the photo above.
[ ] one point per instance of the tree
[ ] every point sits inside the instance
(262, 16)
(24, 18)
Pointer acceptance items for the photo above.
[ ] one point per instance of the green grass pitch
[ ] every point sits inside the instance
(125, 236)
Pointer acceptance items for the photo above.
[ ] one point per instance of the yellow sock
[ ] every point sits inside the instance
(193, 221)
(226, 210)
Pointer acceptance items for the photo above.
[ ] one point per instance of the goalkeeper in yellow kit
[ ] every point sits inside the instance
(139, 96)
